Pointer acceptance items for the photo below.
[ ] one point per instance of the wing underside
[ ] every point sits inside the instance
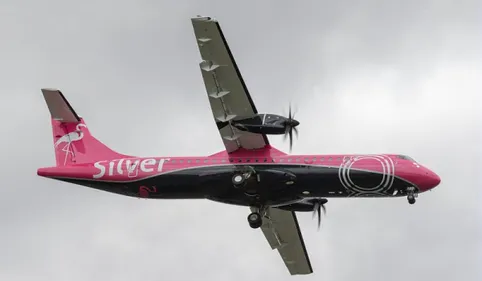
(228, 95)
(282, 231)
(229, 99)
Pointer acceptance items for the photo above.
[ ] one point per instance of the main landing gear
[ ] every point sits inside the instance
(247, 177)
(411, 195)
(241, 178)
(255, 219)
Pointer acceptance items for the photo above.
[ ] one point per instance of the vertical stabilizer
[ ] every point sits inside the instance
(73, 142)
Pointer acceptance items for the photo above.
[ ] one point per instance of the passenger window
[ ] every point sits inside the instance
(214, 161)
(297, 159)
(224, 160)
(314, 158)
(205, 160)
(248, 160)
(329, 159)
(265, 160)
(173, 161)
(289, 159)
(181, 161)
(188, 160)
(197, 160)
(281, 160)
(322, 159)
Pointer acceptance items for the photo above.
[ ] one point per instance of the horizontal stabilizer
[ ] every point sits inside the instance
(59, 107)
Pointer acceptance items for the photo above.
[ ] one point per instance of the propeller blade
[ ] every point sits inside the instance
(318, 206)
(315, 207)
(319, 216)
(290, 125)
(291, 139)
(316, 211)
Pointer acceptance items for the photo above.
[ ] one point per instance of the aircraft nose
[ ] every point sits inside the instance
(430, 180)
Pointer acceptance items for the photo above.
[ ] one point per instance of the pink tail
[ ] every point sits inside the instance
(73, 142)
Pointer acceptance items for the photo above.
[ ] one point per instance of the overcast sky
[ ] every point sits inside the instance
(365, 76)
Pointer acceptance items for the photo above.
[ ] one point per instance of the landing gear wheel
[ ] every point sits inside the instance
(238, 180)
(255, 220)
(411, 195)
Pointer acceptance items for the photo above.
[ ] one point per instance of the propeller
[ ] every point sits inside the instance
(318, 205)
(290, 126)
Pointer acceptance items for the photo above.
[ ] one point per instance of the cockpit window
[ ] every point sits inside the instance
(404, 157)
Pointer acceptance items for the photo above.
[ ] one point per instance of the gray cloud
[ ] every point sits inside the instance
(366, 78)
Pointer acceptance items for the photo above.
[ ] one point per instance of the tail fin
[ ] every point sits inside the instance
(73, 142)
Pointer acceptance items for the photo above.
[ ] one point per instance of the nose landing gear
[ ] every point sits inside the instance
(411, 195)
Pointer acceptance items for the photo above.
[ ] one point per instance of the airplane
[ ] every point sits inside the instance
(248, 172)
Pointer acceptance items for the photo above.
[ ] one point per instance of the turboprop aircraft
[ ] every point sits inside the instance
(248, 172)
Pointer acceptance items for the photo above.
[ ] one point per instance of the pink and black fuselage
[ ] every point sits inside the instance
(260, 177)
(278, 179)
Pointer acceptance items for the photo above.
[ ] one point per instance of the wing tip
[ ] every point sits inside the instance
(203, 18)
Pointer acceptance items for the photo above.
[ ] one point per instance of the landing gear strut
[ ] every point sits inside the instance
(411, 195)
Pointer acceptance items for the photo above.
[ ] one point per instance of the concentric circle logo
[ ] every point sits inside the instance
(375, 164)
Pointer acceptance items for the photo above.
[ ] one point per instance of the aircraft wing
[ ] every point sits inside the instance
(227, 93)
(283, 233)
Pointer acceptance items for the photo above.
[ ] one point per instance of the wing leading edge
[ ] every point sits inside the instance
(283, 233)
(228, 95)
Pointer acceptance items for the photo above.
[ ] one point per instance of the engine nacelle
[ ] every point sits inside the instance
(270, 124)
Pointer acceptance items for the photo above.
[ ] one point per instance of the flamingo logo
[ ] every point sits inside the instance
(68, 139)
